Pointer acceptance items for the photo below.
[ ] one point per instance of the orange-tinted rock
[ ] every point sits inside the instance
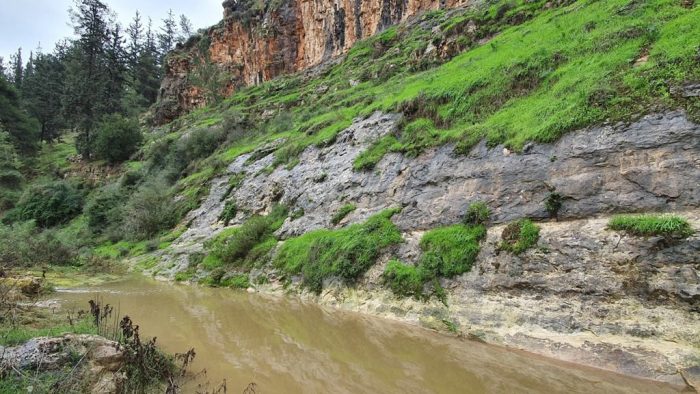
(250, 46)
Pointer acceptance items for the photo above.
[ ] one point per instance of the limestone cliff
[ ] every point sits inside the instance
(585, 294)
(251, 44)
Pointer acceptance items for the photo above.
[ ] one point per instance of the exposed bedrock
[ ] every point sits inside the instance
(585, 293)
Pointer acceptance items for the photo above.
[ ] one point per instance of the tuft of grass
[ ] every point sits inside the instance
(477, 213)
(241, 245)
(237, 281)
(346, 253)
(668, 226)
(344, 211)
(404, 280)
(519, 236)
(447, 252)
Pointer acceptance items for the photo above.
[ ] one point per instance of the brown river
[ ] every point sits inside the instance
(286, 346)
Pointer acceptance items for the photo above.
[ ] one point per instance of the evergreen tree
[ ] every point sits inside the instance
(167, 37)
(23, 130)
(135, 33)
(17, 69)
(42, 94)
(186, 30)
(2, 67)
(88, 79)
(116, 69)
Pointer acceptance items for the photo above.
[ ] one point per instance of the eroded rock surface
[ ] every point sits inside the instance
(585, 294)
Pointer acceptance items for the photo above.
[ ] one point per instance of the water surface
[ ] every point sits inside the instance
(287, 346)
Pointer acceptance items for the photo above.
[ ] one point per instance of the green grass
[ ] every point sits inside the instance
(519, 236)
(344, 211)
(346, 253)
(11, 336)
(447, 252)
(552, 71)
(404, 280)
(452, 250)
(669, 226)
(247, 245)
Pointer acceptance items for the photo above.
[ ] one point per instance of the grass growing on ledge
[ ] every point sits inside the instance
(668, 226)
(344, 211)
(346, 253)
(520, 236)
(447, 252)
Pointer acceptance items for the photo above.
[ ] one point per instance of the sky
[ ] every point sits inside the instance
(26, 23)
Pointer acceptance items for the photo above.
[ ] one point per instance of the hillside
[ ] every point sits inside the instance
(523, 173)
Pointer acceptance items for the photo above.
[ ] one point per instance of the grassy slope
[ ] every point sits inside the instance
(563, 69)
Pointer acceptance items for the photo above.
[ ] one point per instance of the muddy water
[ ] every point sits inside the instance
(286, 346)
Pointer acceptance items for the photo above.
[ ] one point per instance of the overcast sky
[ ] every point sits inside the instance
(26, 23)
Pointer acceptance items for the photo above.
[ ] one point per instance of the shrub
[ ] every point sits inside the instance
(519, 236)
(229, 212)
(344, 211)
(104, 208)
(668, 226)
(477, 213)
(117, 138)
(49, 203)
(553, 204)
(149, 211)
(24, 245)
(404, 280)
(235, 246)
(346, 253)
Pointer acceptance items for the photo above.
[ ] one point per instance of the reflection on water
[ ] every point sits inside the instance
(286, 346)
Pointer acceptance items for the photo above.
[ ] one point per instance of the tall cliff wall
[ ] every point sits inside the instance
(252, 45)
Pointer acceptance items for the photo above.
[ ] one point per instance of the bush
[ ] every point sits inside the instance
(149, 211)
(520, 236)
(668, 226)
(117, 138)
(236, 245)
(104, 208)
(49, 203)
(23, 245)
(404, 280)
(345, 254)
(344, 211)
(553, 204)
(229, 212)
(477, 213)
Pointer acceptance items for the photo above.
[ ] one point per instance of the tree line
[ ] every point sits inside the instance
(106, 73)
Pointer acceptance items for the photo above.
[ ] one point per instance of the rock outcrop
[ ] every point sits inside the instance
(94, 361)
(253, 44)
(585, 294)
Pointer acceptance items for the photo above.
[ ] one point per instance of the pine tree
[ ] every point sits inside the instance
(186, 29)
(23, 130)
(42, 93)
(167, 37)
(116, 69)
(135, 33)
(3, 70)
(17, 69)
(87, 75)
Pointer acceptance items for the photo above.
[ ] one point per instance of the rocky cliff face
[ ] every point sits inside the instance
(585, 294)
(252, 45)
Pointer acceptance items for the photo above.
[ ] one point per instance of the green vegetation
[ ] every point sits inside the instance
(48, 203)
(404, 280)
(229, 212)
(519, 236)
(344, 211)
(117, 138)
(246, 244)
(477, 213)
(668, 226)
(344, 254)
(553, 204)
(447, 252)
